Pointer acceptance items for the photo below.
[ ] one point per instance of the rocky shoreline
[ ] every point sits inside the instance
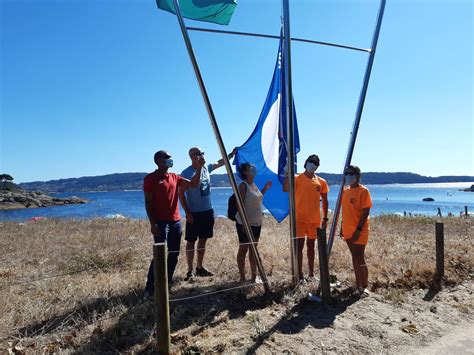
(17, 199)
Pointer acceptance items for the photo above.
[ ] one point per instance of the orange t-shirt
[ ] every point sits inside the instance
(353, 201)
(307, 198)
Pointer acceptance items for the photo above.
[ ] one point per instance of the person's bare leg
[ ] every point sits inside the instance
(253, 263)
(362, 266)
(190, 255)
(310, 253)
(300, 256)
(201, 249)
(355, 264)
(241, 260)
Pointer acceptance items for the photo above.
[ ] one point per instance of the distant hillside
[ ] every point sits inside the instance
(134, 181)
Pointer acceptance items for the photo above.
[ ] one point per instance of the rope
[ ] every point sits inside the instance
(215, 292)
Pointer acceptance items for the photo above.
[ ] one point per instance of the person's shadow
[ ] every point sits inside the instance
(304, 314)
(137, 323)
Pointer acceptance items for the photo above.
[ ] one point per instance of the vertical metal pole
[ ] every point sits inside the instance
(220, 142)
(162, 306)
(355, 127)
(290, 139)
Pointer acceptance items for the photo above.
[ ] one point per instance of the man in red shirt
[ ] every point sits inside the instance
(161, 203)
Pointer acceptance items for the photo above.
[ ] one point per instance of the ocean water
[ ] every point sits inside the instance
(387, 199)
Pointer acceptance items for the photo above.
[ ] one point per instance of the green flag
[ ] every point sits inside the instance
(216, 11)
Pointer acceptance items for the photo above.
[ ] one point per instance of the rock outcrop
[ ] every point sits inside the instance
(16, 199)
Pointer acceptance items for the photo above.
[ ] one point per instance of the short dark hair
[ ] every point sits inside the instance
(353, 170)
(241, 170)
(312, 158)
(161, 154)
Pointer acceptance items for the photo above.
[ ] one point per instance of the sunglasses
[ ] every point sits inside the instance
(200, 154)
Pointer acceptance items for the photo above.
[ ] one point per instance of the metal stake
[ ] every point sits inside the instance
(355, 127)
(220, 142)
(290, 138)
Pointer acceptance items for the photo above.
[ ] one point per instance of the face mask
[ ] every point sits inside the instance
(351, 179)
(252, 171)
(169, 162)
(311, 167)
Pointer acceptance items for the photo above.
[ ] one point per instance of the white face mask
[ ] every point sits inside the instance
(311, 168)
(169, 162)
(351, 179)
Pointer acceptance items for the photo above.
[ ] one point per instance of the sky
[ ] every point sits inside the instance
(92, 87)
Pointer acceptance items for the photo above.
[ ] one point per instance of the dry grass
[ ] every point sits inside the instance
(76, 285)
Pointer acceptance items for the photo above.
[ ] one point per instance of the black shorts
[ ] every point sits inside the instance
(243, 236)
(202, 226)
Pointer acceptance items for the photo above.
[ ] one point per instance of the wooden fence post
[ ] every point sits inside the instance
(323, 266)
(162, 310)
(439, 250)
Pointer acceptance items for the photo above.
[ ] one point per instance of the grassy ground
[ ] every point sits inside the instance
(77, 285)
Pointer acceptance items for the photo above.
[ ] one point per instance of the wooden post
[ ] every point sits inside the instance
(465, 212)
(323, 266)
(439, 250)
(162, 310)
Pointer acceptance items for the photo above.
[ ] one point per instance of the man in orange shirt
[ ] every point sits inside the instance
(356, 204)
(310, 189)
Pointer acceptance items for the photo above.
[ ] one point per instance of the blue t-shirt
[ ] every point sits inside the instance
(199, 198)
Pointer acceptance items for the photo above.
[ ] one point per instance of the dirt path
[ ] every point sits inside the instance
(459, 341)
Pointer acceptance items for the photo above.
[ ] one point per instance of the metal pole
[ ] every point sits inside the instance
(290, 138)
(355, 127)
(162, 306)
(220, 142)
(261, 35)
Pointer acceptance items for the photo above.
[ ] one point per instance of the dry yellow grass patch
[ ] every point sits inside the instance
(76, 285)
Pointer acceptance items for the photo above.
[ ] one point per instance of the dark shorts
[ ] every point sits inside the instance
(243, 236)
(202, 227)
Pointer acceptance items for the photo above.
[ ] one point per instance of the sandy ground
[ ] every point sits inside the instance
(413, 322)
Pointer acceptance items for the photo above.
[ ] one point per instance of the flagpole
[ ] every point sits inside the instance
(355, 127)
(290, 138)
(220, 142)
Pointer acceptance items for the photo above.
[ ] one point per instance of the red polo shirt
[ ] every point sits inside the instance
(164, 188)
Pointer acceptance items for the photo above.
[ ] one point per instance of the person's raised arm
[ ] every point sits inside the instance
(286, 184)
(194, 182)
(220, 162)
(266, 187)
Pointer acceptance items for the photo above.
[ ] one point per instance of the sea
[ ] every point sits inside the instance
(397, 199)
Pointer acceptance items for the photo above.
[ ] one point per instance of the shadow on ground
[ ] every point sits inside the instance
(307, 313)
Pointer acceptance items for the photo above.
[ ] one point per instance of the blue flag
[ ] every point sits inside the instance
(267, 147)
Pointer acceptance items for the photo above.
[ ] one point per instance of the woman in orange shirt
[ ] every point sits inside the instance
(356, 204)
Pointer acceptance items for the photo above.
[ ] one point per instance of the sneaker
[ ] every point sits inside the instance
(202, 272)
(314, 298)
(363, 292)
(190, 276)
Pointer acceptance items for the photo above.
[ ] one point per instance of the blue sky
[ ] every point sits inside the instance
(91, 87)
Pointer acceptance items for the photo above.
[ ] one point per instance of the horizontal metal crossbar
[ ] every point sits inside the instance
(250, 34)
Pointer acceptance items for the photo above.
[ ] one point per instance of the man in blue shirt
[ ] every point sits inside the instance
(197, 205)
